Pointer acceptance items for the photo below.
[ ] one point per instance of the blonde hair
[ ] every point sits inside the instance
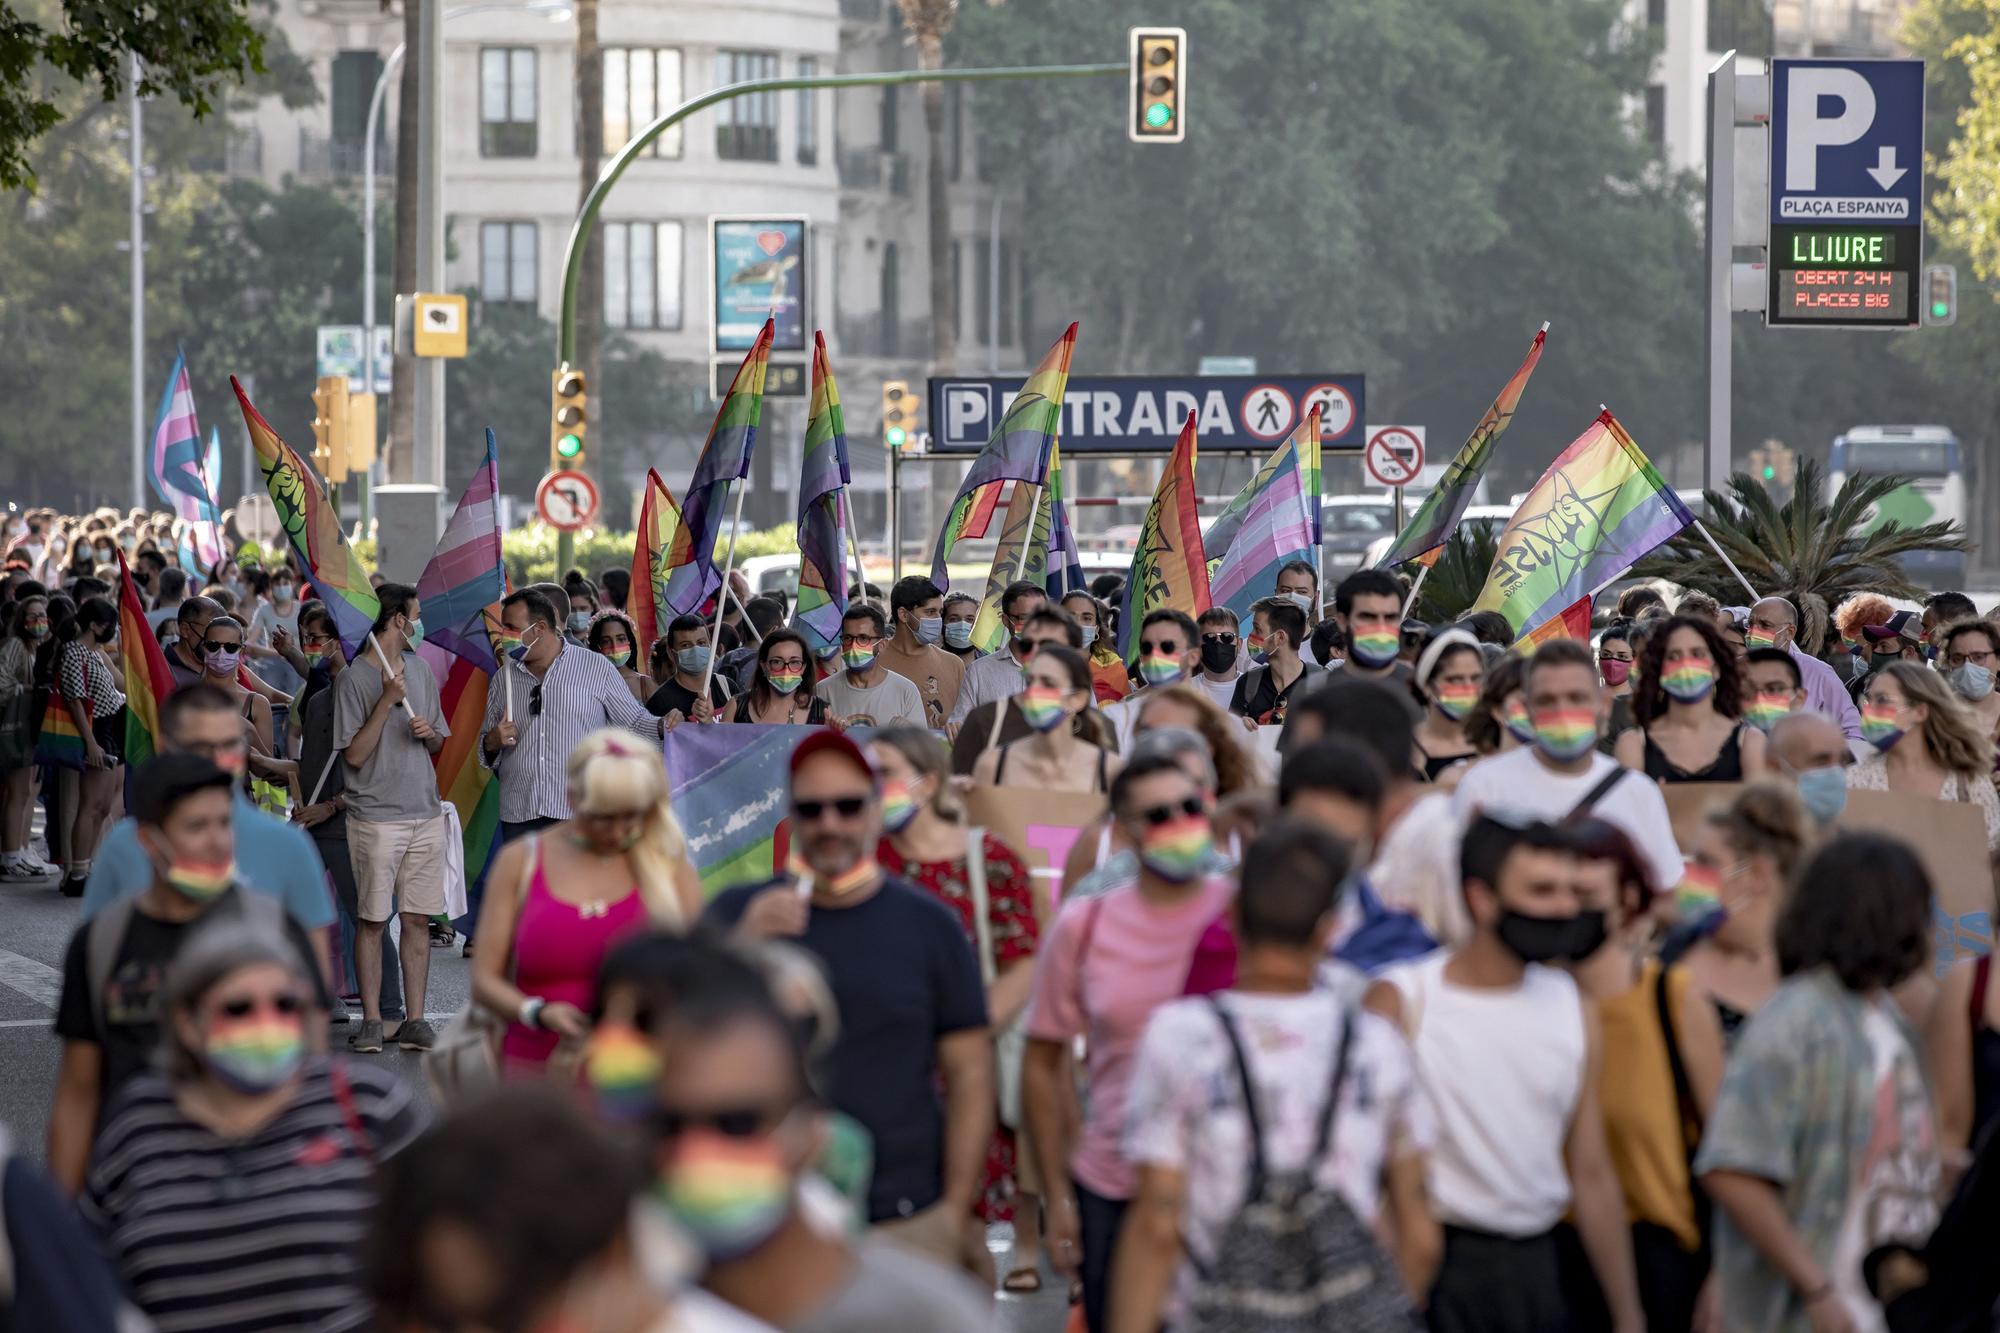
(612, 772)
(1951, 734)
(1766, 818)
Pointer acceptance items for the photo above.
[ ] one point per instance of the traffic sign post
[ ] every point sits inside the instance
(566, 500)
(1846, 193)
(1394, 457)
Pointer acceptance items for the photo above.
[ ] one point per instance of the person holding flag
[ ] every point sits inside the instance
(180, 471)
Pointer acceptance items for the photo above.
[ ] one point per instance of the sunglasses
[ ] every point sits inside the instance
(1023, 646)
(1228, 639)
(743, 1122)
(535, 701)
(847, 807)
(287, 1005)
(1162, 814)
(1167, 646)
(207, 646)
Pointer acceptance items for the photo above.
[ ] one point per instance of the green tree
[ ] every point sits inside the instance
(1459, 575)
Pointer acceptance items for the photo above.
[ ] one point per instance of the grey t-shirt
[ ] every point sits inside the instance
(893, 1291)
(894, 699)
(398, 781)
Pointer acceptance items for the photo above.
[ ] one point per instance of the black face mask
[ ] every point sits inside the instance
(1591, 932)
(1217, 657)
(1538, 939)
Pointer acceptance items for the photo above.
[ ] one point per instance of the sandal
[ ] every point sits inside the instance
(1022, 1281)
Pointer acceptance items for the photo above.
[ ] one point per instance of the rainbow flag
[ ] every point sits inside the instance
(1309, 475)
(1064, 566)
(1021, 553)
(465, 574)
(1265, 526)
(659, 520)
(725, 458)
(1169, 568)
(822, 523)
(1018, 450)
(147, 680)
(60, 741)
(1572, 622)
(730, 790)
(461, 778)
(176, 468)
(1598, 508)
(1446, 503)
(309, 521)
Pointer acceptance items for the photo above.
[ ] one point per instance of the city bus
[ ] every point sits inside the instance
(1932, 460)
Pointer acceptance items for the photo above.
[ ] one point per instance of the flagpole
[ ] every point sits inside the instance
(1028, 537)
(853, 539)
(383, 658)
(1709, 537)
(722, 599)
(1423, 572)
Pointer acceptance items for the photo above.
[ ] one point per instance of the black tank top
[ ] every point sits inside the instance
(1985, 1054)
(1727, 766)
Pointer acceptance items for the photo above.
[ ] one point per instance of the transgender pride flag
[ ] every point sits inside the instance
(465, 576)
(1264, 528)
(175, 467)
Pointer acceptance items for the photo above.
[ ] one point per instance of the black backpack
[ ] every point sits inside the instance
(1295, 1257)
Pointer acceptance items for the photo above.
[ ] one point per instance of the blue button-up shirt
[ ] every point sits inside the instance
(582, 692)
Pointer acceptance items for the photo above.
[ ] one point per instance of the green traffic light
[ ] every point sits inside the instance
(1770, 474)
(895, 435)
(1940, 309)
(569, 446)
(1159, 115)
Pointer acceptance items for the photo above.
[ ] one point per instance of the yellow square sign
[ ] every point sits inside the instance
(439, 326)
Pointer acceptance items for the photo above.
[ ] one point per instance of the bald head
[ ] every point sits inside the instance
(1807, 740)
(1776, 619)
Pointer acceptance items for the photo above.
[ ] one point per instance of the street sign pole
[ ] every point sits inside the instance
(1718, 226)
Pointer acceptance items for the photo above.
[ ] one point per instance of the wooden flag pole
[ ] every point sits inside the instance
(1709, 537)
(1415, 588)
(1028, 537)
(721, 598)
(854, 539)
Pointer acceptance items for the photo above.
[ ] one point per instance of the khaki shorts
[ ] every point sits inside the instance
(398, 865)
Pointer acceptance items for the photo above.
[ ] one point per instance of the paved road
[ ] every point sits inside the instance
(35, 926)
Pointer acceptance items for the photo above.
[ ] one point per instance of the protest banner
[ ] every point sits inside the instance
(1041, 827)
(730, 791)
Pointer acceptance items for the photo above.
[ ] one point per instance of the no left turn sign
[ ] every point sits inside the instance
(566, 500)
(1394, 456)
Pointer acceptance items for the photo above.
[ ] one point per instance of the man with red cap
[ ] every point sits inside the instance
(912, 1008)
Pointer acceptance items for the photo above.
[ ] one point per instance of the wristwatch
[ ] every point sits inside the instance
(531, 1011)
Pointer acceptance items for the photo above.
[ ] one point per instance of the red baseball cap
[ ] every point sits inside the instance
(825, 740)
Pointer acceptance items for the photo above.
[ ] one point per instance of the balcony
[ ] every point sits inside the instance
(234, 150)
(860, 168)
(324, 158)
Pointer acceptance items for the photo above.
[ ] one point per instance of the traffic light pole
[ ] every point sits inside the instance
(586, 216)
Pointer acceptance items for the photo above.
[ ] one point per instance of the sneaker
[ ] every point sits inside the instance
(415, 1035)
(17, 867)
(338, 1015)
(38, 865)
(368, 1041)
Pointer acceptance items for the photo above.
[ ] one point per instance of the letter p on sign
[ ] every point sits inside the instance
(1807, 131)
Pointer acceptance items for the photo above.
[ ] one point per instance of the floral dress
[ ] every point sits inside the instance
(1010, 916)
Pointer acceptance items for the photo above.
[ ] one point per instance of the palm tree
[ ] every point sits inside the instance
(1454, 582)
(1805, 545)
(928, 22)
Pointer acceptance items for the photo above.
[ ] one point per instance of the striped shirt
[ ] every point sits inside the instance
(581, 693)
(992, 679)
(262, 1232)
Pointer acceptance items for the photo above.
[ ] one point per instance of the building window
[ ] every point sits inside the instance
(982, 277)
(1656, 115)
(640, 85)
(642, 275)
(955, 129)
(746, 128)
(1006, 294)
(507, 262)
(889, 120)
(958, 285)
(507, 101)
(354, 77)
(808, 114)
(892, 298)
(1656, 13)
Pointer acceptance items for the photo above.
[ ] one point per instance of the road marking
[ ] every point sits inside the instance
(38, 981)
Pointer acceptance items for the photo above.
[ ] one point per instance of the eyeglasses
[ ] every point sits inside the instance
(1161, 814)
(811, 812)
(243, 1008)
(860, 638)
(1977, 659)
(786, 664)
(741, 1122)
(1227, 640)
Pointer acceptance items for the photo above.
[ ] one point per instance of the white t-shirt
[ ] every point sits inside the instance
(1222, 691)
(1518, 780)
(1185, 1107)
(268, 618)
(892, 699)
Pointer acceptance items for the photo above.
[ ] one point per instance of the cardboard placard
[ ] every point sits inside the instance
(1041, 827)
(1949, 837)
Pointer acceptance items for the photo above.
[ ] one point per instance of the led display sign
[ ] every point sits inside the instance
(1857, 276)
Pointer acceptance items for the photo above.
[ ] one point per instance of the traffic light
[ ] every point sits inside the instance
(569, 420)
(1159, 85)
(1941, 294)
(330, 428)
(897, 412)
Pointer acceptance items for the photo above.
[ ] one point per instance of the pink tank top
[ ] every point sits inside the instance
(558, 947)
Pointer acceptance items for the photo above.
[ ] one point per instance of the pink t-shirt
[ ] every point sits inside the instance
(1136, 960)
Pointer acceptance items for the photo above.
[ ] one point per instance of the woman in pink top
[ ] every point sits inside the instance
(1109, 962)
(556, 900)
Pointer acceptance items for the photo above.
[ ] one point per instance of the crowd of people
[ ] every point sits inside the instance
(1379, 990)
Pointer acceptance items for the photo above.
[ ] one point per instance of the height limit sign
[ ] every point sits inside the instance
(1394, 456)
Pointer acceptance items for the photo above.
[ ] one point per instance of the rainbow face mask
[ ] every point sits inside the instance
(1514, 717)
(857, 659)
(1699, 892)
(1254, 645)
(1689, 682)
(730, 1194)
(623, 1071)
(1178, 850)
(200, 881)
(1763, 710)
(1042, 706)
(785, 682)
(1160, 669)
(623, 659)
(1455, 699)
(256, 1053)
(1881, 725)
(898, 807)
(1755, 638)
(1377, 648)
(1564, 734)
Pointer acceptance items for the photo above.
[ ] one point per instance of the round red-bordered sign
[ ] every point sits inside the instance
(1336, 409)
(1268, 412)
(1394, 456)
(566, 500)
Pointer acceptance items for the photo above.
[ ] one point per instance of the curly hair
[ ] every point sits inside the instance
(1222, 731)
(1862, 609)
(1483, 727)
(1649, 701)
(1952, 735)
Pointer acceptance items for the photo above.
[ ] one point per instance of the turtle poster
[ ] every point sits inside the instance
(759, 273)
